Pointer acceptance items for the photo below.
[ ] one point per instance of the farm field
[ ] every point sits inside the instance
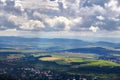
(67, 59)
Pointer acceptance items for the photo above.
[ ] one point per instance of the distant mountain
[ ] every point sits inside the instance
(95, 50)
(109, 44)
(51, 44)
(23, 39)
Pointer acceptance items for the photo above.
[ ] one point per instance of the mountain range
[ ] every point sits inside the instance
(58, 44)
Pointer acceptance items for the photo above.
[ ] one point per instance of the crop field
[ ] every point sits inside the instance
(80, 59)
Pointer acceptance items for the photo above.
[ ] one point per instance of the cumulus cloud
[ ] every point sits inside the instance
(61, 22)
(113, 5)
(32, 25)
(60, 15)
(94, 28)
(18, 4)
(100, 17)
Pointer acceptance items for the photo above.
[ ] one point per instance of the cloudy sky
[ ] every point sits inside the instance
(86, 19)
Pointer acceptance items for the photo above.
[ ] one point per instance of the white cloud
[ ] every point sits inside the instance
(43, 4)
(17, 20)
(3, 1)
(92, 10)
(94, 28)
(32, 25)
(64, 23)
(9, 30)
(58, 21)
(26, 24)
(60, 15)
(113, 6)
(100, 17)
(18, 4)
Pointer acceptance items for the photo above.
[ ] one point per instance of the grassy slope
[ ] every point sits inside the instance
(100, 63)
(67, 61)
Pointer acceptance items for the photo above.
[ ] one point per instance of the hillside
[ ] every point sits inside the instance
(95, 50)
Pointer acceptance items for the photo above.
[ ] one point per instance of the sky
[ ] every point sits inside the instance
(81, 19)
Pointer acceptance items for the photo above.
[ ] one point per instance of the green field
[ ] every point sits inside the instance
(80, 59)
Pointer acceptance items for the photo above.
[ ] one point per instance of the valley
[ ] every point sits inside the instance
(57, 59)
